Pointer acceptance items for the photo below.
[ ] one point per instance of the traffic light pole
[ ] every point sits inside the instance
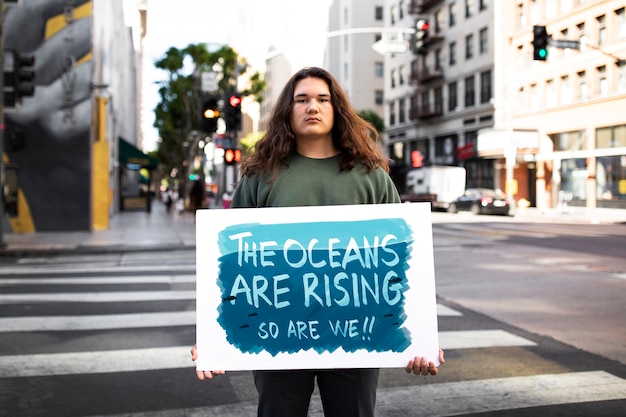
(2, 244)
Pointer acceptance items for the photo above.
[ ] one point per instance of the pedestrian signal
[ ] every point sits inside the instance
(232, 156)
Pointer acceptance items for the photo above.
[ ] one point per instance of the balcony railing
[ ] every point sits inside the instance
(420, 6)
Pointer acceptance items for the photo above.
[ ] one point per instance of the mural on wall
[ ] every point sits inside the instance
(52, 159)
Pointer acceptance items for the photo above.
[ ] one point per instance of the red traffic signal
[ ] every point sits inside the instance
(232, 156)
(421, 36)
(235, 100)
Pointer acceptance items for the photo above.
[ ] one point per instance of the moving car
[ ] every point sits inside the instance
(481, 201)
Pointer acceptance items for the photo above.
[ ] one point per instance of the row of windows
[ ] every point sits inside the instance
(431, 102)
(604, 33)
(569, 88)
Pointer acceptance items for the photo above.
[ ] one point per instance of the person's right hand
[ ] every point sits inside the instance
(203, 374)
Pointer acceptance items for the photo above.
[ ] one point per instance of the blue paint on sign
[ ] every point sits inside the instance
(318, 285)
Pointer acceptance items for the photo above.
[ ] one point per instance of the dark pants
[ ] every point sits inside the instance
(344, 392)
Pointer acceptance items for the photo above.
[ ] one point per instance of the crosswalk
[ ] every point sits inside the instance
(28, 307)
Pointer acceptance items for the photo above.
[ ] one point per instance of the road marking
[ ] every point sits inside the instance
(469, 339)
(97, 297)
(118, 321)
(132, 360)
(149, 279)
(11, 271)
(443, 310)
(458, 398)
(97, 322)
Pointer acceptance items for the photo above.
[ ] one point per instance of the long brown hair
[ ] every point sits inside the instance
(355, 137)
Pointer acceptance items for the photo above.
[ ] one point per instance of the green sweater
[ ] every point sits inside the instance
(316, 182)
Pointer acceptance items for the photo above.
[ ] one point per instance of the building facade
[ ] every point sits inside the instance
(349, 55)
(574, 99)
(438, 100)
(65, 171)
(547, 132)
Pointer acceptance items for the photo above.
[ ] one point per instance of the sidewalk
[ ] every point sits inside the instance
(128, 231)
(159, 230)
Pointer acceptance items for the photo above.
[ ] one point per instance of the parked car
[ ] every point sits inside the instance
(482, 201)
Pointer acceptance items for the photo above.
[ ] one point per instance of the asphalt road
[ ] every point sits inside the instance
(530, 316)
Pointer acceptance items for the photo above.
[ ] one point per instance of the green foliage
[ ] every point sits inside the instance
(373, 117)
(178, 112)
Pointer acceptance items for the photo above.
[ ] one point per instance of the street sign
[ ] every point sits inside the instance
(564, 44)
(386, 47)
(208, 82)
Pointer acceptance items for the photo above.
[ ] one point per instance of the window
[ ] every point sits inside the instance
(401, 10)
(401, 111)
(470, 96)
(566, 5)
(378, 70)
(620, 21)
(603, 83)
(452, 54)
(402, 75)
(394, 14)
(582, 84)
(378, 13)
(485, 87)
(550, 94)
(425, 103)
(394, 75)
(482, 4)
(601, 22)
(469, 46)
(469, 4)
(582, 38)
(379, 97)
(452, 14)
(392, 114)
(437, 55)
(453, 101)
(534, 97)
(550, 9)
(437, 23)
(566, 90)
(483, 41)
(438, 100)
(567, 52)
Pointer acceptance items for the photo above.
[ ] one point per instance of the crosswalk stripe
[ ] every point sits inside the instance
(178, 357)
(119, 321)
(488, 395)
(458, 398)
(97, 297)
(148, 279)
(11, 271)
(97, 322)
(466, 339)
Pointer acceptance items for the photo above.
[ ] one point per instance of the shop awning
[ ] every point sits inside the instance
(130, 155)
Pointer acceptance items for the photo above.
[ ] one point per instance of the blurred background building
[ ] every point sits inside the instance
(472, 90)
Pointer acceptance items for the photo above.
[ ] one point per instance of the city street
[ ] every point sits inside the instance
(530, 314)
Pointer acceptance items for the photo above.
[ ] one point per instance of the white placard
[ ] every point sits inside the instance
(315, 287)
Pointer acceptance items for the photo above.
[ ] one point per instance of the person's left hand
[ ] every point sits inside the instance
(421, 365)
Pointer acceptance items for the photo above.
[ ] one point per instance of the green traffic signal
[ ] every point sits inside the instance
(541, 39)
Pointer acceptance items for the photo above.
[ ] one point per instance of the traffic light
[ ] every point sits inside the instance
(421, 36)
(233, 113)
(20, 80)
(210, 114)
(232, 156)
(541, 39)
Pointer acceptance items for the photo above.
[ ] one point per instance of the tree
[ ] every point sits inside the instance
(373, 117)
(177, 116)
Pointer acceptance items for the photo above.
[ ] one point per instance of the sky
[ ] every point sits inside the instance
(251, 27)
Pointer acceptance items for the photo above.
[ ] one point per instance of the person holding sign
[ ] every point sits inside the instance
(317, 151)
